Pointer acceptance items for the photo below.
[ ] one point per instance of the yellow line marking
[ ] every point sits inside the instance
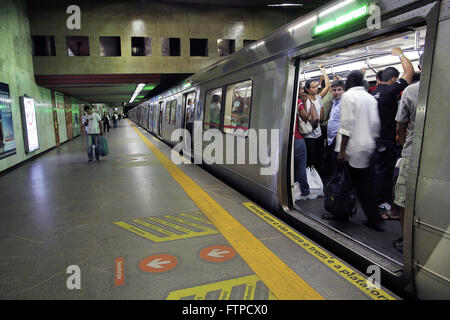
(139, 232)
(249, 293)
(195, 218)
(225, 288)
(169, 235)
(191, 224)
(171, 225)
(276, 275)
(320, 254)
(151, 226)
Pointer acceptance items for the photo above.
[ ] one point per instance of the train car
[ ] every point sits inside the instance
(257, 88)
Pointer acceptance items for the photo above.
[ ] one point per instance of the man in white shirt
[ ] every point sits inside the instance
(359, 127)
(93, 124)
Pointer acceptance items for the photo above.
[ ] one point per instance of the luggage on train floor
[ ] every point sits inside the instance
(340, 200)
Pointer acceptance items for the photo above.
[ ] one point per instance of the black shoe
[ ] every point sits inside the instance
(374, 225)
(398, 244)
(90, 160)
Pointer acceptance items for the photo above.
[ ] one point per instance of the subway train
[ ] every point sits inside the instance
(257, 88)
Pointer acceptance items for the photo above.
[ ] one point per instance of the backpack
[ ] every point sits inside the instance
(340, 199)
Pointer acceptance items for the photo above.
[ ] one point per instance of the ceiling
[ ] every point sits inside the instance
(117, 89)
(306, 4)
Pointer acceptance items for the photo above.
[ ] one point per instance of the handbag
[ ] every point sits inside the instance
(304, 128)
(103, 146)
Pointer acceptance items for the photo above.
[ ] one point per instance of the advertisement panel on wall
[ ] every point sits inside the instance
(30, 133)
(7, 141)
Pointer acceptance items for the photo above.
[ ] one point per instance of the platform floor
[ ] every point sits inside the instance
(139, 228)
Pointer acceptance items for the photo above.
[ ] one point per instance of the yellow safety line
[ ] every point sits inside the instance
(276, 275)
(323, 256)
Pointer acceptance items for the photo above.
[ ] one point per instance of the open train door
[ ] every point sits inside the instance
(185, 116)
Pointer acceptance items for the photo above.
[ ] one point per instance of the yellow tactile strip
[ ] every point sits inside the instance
(284, 283)
(334, 264)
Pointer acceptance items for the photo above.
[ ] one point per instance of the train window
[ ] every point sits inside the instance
(199, 47)
(170, 47)
(173, 110)
(77, 46)
(248, 42)
(225, 47)
(237, 107)
(167, 112)
(110, 47)
(212, 109)
(141, 46)
(43, 46)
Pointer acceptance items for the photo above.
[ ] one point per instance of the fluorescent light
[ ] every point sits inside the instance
(335, 7)
(137, 91)
(286, 5)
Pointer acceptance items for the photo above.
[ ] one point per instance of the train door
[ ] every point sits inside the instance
(160, 117)
(155, 118)
(319, 148)
(188, 117)
(150, 117)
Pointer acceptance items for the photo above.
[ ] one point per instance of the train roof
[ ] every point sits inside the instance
(289, 38)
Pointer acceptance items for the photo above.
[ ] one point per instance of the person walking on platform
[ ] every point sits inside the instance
(387, 95)
(93, 124)
(359, 127)
(114, 118)
(105, 120)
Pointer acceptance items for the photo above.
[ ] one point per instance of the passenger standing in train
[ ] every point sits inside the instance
(314, 107)
(359, 127)
(93, 123)
(300, 155)
(385, 157)
(190, 112)
(378, 77)
(337, 89)
(405, 118)
(215, 111)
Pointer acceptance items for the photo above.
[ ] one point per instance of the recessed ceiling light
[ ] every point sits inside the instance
(285, 5)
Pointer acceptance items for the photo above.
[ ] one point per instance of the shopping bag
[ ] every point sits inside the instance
(314, 181)
(103, 146)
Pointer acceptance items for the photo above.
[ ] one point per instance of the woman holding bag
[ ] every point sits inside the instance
(301, 192)
(314, 107)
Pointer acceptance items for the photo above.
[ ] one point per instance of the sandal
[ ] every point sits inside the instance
(388, 215)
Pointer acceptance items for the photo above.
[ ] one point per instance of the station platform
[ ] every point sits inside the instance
(136, 226)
